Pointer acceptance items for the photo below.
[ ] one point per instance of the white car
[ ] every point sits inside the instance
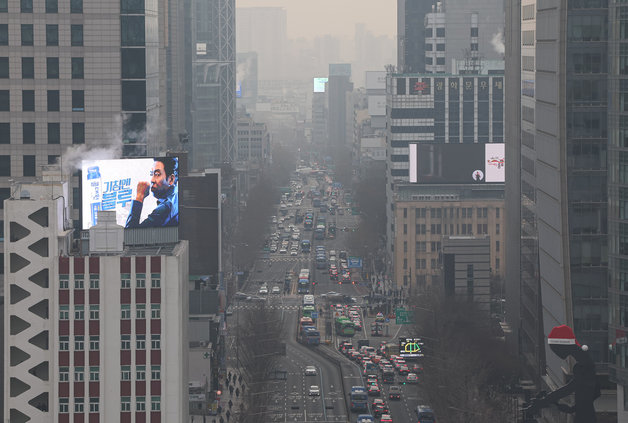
(314, 390)
(310, 371)
(263, 291)
(283, 250)
(294, 253)
(276, 290)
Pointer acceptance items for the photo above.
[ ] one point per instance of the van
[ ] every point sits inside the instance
(425, 414)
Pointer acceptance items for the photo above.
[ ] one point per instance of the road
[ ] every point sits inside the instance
(290, 401)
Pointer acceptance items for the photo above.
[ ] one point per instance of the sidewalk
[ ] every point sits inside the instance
(233, 390)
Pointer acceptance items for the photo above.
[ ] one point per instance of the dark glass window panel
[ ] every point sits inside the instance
(401, 86)
(27, 34)
(76, 6)
(467, 111)
(134, 96)
(428, 32)
(52, 159)
(428, 61)
(5, 133)
(26, 6)
(474, 46)
(498, 111)
(133, 128)
(428, 47)
(440, 32)
(28, 68)
(28, 163)
(77, 68)
(54, 133)
(28, 100)
(483, 129)
(4, 34)
(52, 35)
(76, 35)
(78, 100)
(78, 133)
(454, 111)
(440, 47)
(4, 100)
(133, 63)
(468, 130)
(132, 7)
(53, 100)
(28, 133)
(132, 30)
(5, 165)
(52, 6)
(4, 6)
(474, 32)
(52, 67)
(440, 60)
(4, 67)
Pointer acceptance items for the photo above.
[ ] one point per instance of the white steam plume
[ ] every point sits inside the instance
(497, 41)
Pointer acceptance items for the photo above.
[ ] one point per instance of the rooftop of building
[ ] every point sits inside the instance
(444, 75)
(445, 192)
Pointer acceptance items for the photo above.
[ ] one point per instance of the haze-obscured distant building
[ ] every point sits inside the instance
(246, 80)
(338, 86)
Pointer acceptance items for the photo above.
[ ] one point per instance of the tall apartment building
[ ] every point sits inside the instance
(338, 85)
(458, 30)
(564, 179)
(98, 337)
(411, 35)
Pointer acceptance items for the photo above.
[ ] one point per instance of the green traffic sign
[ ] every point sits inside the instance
(403, 316)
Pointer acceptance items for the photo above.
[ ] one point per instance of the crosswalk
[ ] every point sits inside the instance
(257, 305)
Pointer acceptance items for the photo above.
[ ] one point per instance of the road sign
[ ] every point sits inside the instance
(354, 262)
(314, 314)
(403, 316)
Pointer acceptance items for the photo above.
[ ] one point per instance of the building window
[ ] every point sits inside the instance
(63, 405)
(141, 282)
(79, 374)
(140, 311)
(125, 311)
(132, 30)
(4, 34)
(28, 68)
(405, 213)
(155, 311)
(94, 343)
(497, 228)
(155, 342)
(76, 6)
(155, 372)
(64, 374)
(475, 31)
(94, 374)
(155, 403)
(79, 312)
(53, 158)
(155, 283)
(140, 373)
(125, 373)
(27, 34)
(94, 282)
(28, 163)
(440, 47)
(28, 100)
(77, 68)
(125, 282)
(405, 263)
(78, 133)
(64, 312)
(64, 342)
(125, 342)
(497, 212)
(28, 133)
(440, 60)
(125, 404)
(440, 32)
(76, 35)
(52, 35)
(78, 405)
(26, 6)
(4, 6)
(93, 405)
(140, 342)
(94, 312)
(53, 100)
(52, 67)
(140, 404)
(133, 64)
(405, 246)
(4, 67)
(79, 343)
(496, 264)
(134, 96)
(405, 229)
(52, 6)
(4, 101)
(428, 47)
(79, 282)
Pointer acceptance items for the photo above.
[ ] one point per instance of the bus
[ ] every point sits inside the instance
(308, 300)
(308, 310)
(344, 326)
(359, 398)
(303, 286)
(310, 336)
(305, 322)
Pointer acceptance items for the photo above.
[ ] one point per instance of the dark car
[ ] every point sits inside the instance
(425, 414)
(394, 393)
(380, 409)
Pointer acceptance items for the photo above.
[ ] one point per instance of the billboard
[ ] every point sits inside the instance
(143, 192)
(410, 347)
(319, 84)
(375, 80)
(456, 163)
(377, 105)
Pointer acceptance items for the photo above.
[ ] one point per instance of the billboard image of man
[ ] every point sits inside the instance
(163, 186)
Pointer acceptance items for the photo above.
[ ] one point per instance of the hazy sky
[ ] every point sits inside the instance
(310, 18)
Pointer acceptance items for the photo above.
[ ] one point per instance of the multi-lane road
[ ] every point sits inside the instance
(289, 399)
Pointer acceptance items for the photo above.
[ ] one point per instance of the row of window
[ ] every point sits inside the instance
(79, 283)
(52, 67)
(435, 264)
(438, 213)
(27, 35)
(440, 32)
(125, 282)
(140, 282)
(438, 229)
(53, 103)
(140, 311)
(94, 311)
(94, 404)
(54, 134)
(52, 6)
(94, 342)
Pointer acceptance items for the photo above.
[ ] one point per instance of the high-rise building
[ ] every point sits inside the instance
(212, 79)
(338, 86)
(411, 35)
(100, 336)
(564, 204)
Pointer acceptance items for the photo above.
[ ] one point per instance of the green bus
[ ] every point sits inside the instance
(307, 310)
(344, 326)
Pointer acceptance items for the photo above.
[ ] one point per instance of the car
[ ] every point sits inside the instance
(403, 369)
(263, 291)
(380, 317)
(371, 381)
(276, 290)
(310, 371)
(283, 250)
(374, 390)
(425, 414)
(412, 378)
(386, 418)
(365, 418)
(240, 295)
(394, 392)
(314, 390)
(273, 248)
(294, 252)
(380, 409)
